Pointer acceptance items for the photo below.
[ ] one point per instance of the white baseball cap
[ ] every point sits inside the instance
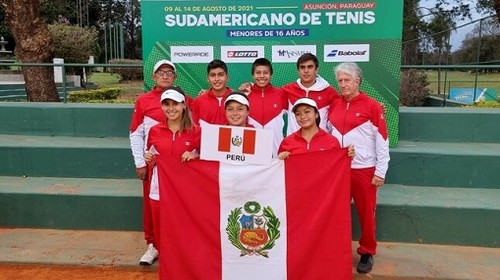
(238, 98)
(162, 62)
(172, 94)
(306, 101)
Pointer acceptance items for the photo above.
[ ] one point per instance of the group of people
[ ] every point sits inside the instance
(167, 122)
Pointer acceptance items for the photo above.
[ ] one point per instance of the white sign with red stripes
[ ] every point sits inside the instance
(235, 144)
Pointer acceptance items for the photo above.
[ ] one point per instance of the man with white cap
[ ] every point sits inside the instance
(147, 113)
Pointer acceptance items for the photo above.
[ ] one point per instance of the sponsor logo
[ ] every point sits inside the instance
(290, 53)
(334, 53)
(242, 54)
(191, 54)
(347, 53)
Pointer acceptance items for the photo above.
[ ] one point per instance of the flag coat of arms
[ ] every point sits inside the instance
(235, 144)
(289, 220)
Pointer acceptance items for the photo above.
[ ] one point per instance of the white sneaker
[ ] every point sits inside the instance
(150, 256)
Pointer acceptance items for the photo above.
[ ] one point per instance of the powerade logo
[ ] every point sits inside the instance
(192, 54)
(242, 54)
(347, 53)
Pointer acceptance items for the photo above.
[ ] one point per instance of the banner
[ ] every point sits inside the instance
(234, 144)
(192, 33)
(290, 220)
(471, 95)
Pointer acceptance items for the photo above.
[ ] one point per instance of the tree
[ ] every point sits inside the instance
(411, 32)
(489, 6)
(33, 45)
(487, 44)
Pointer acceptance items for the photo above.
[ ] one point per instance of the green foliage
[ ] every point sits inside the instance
(486, 104)
(103, 95)
(127, 73)
(414, 88)
(73, 43)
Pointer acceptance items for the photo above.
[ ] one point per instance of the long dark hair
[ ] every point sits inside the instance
(186, 119)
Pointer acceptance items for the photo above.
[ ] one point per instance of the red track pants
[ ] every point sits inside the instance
(365, 201)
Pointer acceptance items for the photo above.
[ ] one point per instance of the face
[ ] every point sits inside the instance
(173, 109)
(236, 113)
(165, 76)
(262, 76)
(218, 79)
(306, 116)
(307, 73)
(349, 87)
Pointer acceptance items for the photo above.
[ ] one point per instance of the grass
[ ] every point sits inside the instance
(458, 79)
(130, 89)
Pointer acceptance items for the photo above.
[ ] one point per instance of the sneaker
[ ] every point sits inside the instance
(150, 256)
(365, 264)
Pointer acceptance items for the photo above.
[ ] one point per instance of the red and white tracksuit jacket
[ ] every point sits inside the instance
(267, 107)
(169, 144)
(321, 92)
(147, 113)
(296, 144)
(208, 109)
(361, 122)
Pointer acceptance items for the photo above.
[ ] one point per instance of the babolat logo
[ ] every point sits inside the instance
(242, 54)
(334, 53)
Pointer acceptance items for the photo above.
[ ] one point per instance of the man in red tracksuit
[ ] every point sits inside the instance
(147, 113)
(311, 85)
(208, 108)
(359, 120)
(268, 103)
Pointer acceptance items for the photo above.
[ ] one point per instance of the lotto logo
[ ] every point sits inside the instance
(242, 54)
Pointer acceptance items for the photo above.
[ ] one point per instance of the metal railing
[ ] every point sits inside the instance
(63, 69)
(449, 68)
(445, 68)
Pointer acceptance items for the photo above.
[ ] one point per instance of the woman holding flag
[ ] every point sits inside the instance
(310, 137)
(177, 136)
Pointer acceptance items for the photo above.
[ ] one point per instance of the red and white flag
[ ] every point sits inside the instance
(235, 144)
(289, 220)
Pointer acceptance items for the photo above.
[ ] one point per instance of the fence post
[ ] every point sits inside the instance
(64, 84)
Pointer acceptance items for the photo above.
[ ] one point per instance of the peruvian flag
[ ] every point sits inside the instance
(289, 220)
(236, 144)
(226, 140)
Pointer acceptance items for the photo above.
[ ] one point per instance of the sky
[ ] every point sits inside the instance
(458, 36)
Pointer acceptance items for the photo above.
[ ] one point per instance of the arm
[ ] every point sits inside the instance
(381, 145)
(137, 144)
(282, 150)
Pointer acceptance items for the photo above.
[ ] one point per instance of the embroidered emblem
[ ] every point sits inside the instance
(236, 141)
(252, 231)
